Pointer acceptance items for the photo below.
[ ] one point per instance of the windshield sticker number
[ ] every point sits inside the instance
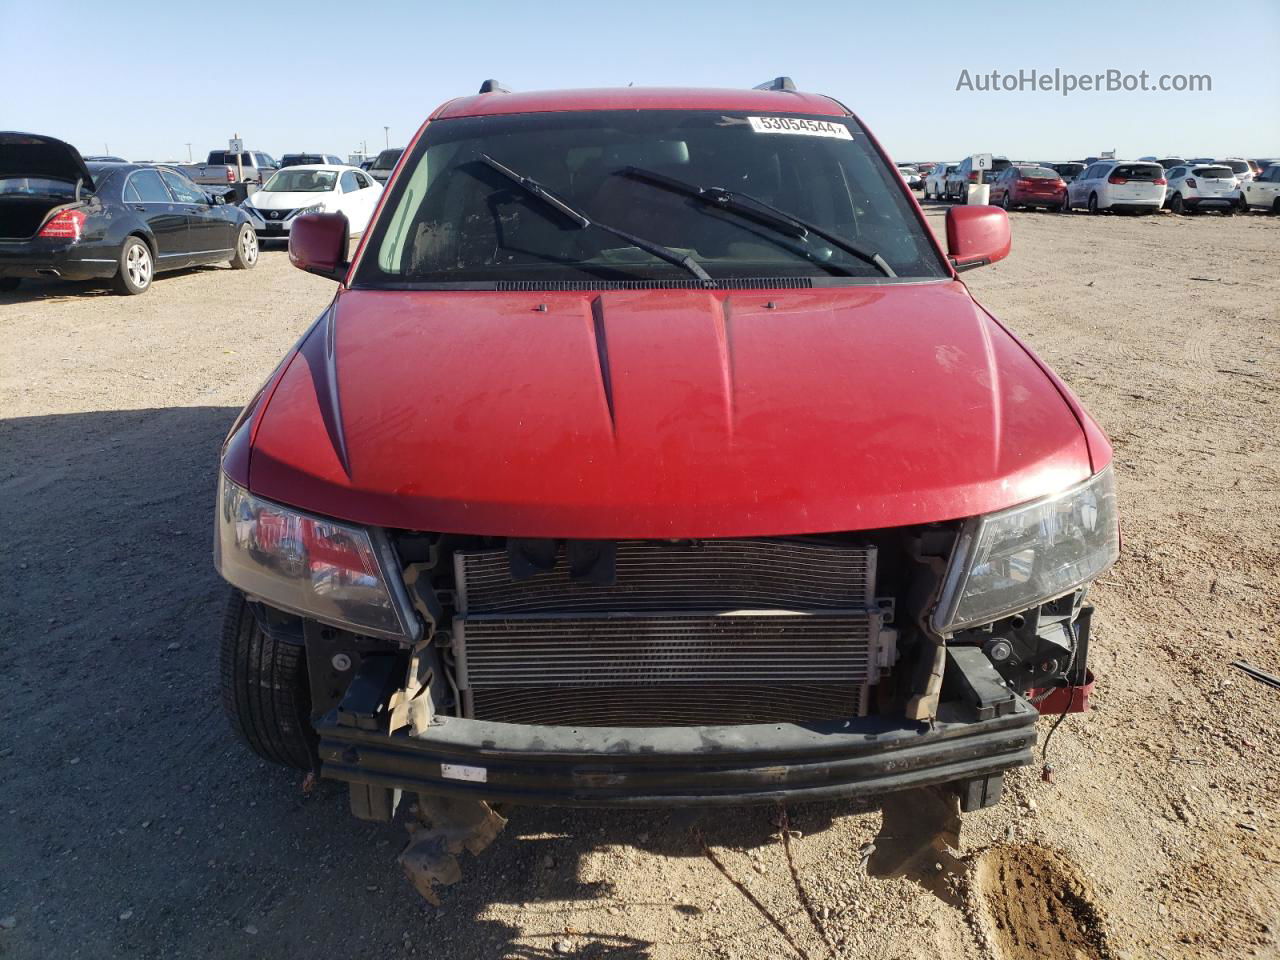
(806, 128)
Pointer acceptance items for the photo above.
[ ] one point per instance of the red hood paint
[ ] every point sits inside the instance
(679, 413)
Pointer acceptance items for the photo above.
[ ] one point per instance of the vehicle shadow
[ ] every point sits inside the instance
(137, 822)
(54, 290)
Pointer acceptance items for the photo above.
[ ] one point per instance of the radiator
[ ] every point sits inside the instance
(717, 632)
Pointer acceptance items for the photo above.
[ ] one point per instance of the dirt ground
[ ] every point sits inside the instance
(134, 825)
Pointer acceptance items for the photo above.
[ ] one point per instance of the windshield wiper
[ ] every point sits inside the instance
(535, 189)
(761, 212)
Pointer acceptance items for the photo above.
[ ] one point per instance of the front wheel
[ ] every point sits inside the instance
(136, 268)
(246, 254)
(1065, 205)
(1004, 202)
(1177, 205)
(265, 690)
(1093, 203)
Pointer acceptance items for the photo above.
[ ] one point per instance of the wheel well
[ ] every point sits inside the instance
(149, 241)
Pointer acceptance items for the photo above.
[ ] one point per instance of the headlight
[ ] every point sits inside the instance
(309, 565)
(314, 208)
(1012, 560)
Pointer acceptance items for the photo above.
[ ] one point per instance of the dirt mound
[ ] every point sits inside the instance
(1031, 903)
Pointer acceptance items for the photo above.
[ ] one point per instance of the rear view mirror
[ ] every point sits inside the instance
(976, 236)
(318, 244)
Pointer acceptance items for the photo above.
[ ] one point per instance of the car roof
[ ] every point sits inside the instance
(322, 166)
(640, 98)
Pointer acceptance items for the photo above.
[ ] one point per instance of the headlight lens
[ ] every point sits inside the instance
(1017, 558)
(309, 565)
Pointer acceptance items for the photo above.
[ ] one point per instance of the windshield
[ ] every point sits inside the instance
(387, 159)
(1038, 173)
(1237, 166)
(1214, 173)
(453, 218)
(293, 180)
(36, 187)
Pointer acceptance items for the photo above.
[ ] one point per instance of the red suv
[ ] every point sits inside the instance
(651, 452)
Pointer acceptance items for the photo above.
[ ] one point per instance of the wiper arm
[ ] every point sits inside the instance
(758, 210)
(535, 189)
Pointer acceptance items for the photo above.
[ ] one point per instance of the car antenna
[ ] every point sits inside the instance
(777, 83)
(493, 86)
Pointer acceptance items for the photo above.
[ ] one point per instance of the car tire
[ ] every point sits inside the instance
(1093, 204)
(265, 690)
(1065, 205)
(246, 255)
(1275, 205)
(1177, 205)
(136, 267)
(9, 284)
(1244, 205)
(1005, 205)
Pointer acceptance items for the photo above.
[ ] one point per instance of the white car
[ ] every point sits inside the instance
(935, 181)
(1203, 186)
(1135, 186)
(911, 175)
(312, 188)
(1264, 190)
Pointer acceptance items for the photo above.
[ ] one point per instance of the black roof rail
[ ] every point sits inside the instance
(778, 83)
(493, 86)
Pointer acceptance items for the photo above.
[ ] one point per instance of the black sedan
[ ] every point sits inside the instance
(61, 217)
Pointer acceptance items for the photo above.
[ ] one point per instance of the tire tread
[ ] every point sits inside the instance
(265, 690)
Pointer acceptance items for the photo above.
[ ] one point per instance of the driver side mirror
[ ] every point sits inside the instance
(976, 236)
(318, 244)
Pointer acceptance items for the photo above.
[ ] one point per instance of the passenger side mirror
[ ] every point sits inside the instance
(976, 236)
(318, 244)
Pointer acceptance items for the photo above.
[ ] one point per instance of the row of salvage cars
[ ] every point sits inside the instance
(63, 217)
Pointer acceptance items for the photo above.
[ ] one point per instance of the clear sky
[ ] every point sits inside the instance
(144, 79)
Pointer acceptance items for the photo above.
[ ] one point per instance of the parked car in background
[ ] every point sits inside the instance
(1211, 186)
(256, 165)
(935, 181)
(314, 188)
(1068, 170)
(307, 159)
(1260, 164)
(911, 175)
(61, 217)
(1026, 185)
(600, 501)
(104, 158)
(1166, 162)
(1130, 186)
(384, 163)
(368, 162)
(1263, 190)
(957, 184)
(1239, 168)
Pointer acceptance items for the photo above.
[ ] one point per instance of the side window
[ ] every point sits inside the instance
(349, 184)
(184, 191)
(148, 188)
(363, 181)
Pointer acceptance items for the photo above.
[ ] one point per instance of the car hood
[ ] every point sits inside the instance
(282, 200)
(33, 155)
(664, 413)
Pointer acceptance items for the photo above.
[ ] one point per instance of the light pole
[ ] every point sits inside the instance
(387, 131)
(188, 153)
